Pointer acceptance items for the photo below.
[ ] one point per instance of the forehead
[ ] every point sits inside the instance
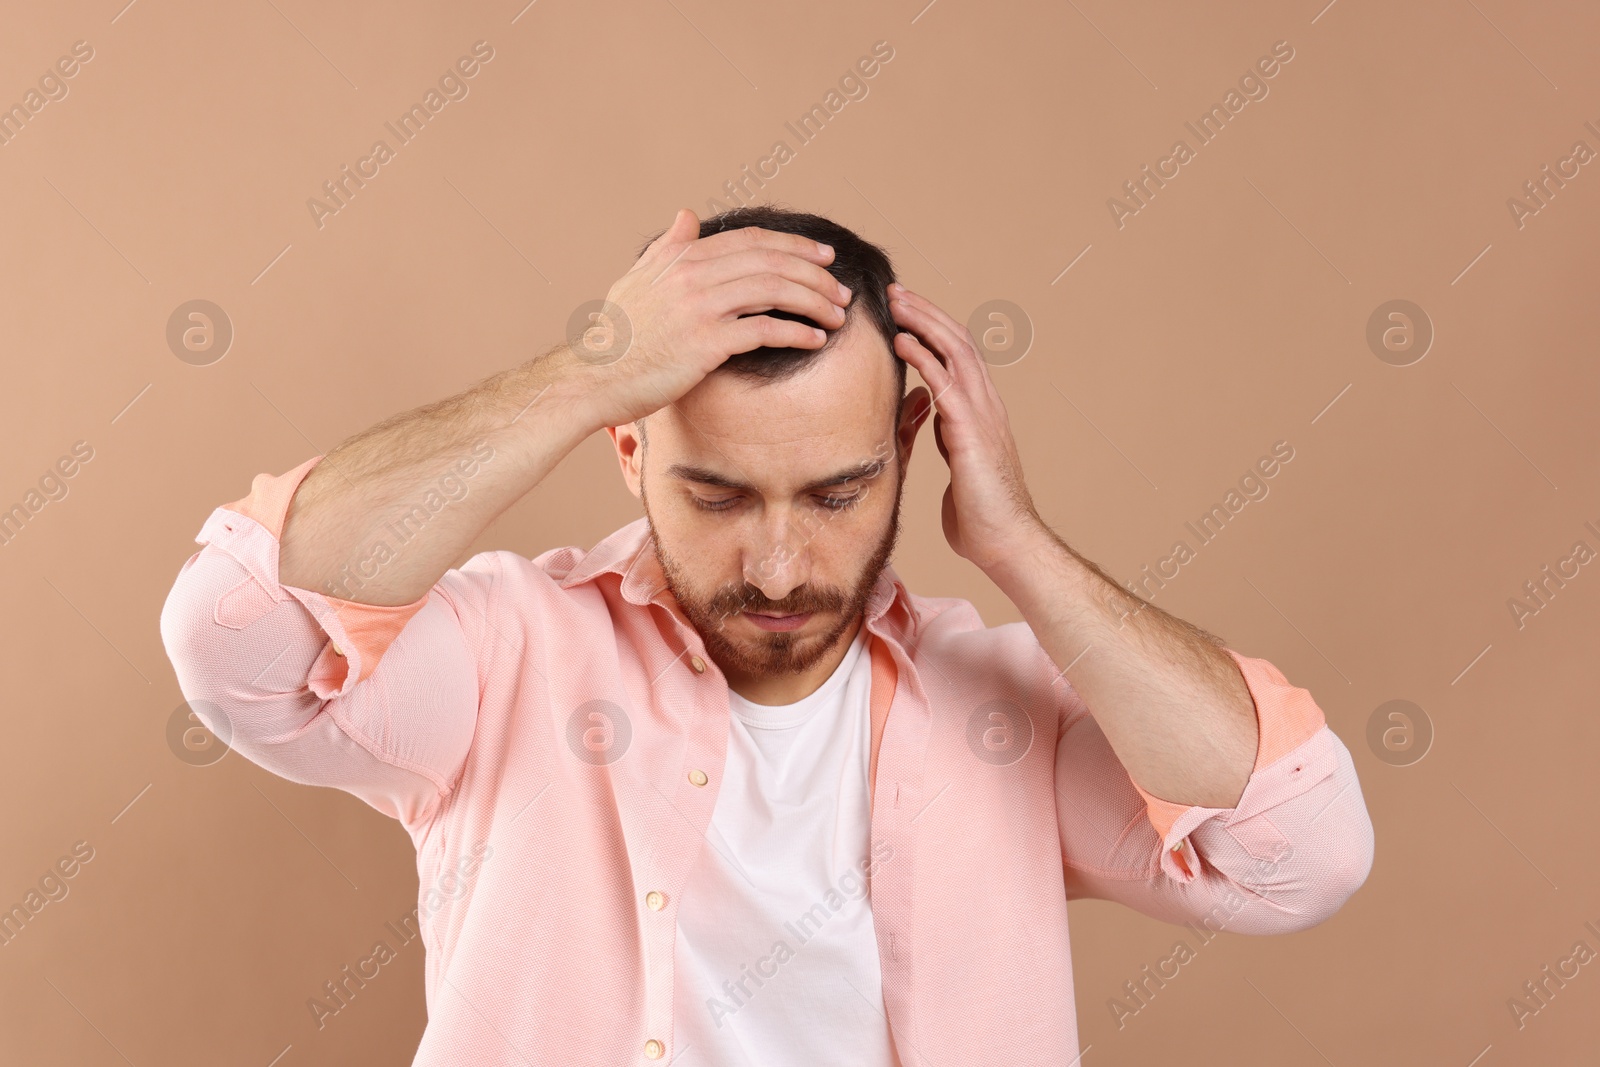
(782, 435)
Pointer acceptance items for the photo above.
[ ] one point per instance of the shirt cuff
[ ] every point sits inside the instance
(359, 633)
(1286, 718)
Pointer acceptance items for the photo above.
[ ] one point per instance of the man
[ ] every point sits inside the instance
(721, 790)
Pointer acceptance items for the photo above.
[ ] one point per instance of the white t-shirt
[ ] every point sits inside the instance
(776, 959)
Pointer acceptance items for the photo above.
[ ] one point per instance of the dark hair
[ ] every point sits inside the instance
(857, 262)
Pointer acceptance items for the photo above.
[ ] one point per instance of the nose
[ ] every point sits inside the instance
(780, 564)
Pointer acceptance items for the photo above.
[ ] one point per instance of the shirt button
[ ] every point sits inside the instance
(698, 777)
(654, 1049)
(336, 650)
(698, 664)
(654, 900)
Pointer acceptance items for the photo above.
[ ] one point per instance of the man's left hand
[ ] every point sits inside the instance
(988, 514)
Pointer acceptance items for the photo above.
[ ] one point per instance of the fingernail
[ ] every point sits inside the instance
(844, 291)
(824, 249)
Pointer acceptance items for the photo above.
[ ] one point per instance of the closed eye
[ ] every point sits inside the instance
(830, 502)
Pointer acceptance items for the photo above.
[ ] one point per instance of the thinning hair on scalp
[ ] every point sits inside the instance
(857, 262)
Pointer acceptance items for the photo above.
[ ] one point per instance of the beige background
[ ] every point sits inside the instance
(1228, 314)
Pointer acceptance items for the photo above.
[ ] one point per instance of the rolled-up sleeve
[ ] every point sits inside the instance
(380, 701)
(1295, 847)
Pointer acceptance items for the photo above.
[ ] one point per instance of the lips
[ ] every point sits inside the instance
(777, 622)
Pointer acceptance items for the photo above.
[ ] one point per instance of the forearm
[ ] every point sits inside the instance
(382, 517)
(1170, 700)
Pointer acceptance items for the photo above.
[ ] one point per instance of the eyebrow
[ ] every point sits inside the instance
(688, 472)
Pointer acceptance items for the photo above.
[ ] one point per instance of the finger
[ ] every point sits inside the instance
(927, 364)
(922, 303)
(750, 262)
(907, 319)
(967, 362)
(771, 292)
(966, 359)
(950, 343)
(685, 230)
(749, 237)
(757, 331)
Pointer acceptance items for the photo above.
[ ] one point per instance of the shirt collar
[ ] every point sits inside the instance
(630, 552)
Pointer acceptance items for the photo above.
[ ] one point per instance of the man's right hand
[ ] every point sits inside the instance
(679, 309)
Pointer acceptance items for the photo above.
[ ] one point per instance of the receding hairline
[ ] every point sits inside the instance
(899, 408)
(808, 358)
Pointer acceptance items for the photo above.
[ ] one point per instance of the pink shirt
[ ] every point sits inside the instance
(551, 735)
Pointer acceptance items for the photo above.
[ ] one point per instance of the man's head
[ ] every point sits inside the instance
(774, 485)
(859, 264)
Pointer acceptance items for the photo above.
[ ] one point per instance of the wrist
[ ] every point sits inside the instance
(1033, 546)
(547, 395)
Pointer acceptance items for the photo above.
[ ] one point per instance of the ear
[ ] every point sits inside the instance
(630, 454)
(917, 407)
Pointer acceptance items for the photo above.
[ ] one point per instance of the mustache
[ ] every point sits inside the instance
(755, 602)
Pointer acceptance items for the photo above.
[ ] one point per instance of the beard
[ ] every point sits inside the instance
(765, 653)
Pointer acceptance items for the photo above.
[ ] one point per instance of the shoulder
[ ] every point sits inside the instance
(951, 632)
(502, 566)
(499, 576)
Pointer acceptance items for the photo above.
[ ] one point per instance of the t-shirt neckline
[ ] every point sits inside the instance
(781, 716)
